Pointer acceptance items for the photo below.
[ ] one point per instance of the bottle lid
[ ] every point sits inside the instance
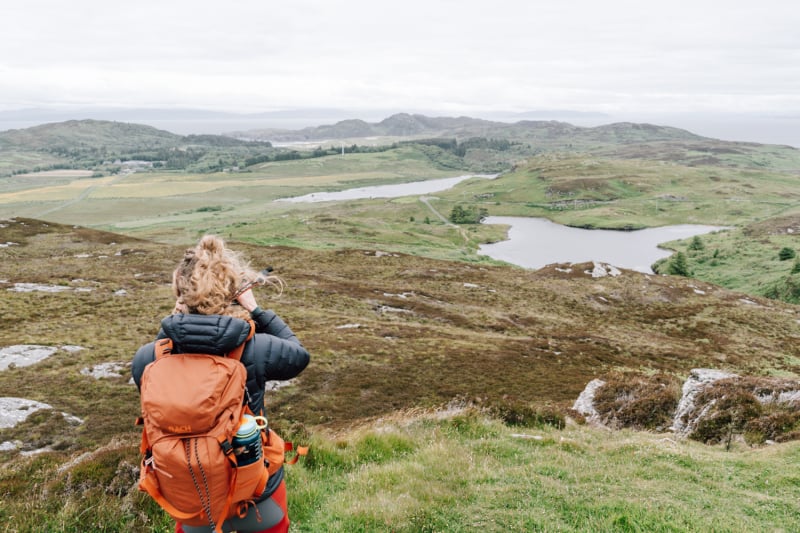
(248, 426)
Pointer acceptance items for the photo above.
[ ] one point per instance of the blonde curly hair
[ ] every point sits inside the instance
(206, 281)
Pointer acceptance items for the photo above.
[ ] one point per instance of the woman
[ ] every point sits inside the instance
(210, 317)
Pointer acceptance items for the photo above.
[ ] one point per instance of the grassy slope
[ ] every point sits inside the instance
(537, 337)
(429, 333)
(574, 189)
(469, 473)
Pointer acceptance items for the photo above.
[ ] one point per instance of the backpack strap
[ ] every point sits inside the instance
(301, 450)
(163, 347)
(236, 353)
(149, 485)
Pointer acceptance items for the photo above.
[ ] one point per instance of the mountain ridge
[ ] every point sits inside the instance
(111, 135)
(463, 127)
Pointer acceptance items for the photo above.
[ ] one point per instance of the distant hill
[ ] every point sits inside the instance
(102, 134)
(413, 125)
(96, 144)
(77, 133)
(459, 143)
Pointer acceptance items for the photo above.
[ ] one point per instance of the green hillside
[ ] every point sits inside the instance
(620, 176)
(98, 146)
(440, 390)
(412, 360)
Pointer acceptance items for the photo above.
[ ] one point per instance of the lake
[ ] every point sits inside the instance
(395, 190)
(536, 242)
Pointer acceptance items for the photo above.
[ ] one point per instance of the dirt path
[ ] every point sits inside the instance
(426, 200)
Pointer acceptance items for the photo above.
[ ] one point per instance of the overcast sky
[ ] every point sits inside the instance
(452, 57)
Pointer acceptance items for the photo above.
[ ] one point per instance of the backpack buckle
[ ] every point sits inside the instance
(226, 446)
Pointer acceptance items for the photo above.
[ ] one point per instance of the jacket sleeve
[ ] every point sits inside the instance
(279, 359)
(268, 322)
(144, 356)
(279, 353)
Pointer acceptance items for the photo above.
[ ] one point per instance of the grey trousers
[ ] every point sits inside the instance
(271, 513)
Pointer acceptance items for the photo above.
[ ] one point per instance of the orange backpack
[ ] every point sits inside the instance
(192, 406)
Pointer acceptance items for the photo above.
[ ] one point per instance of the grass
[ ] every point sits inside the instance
(469, 472)
(747, 259)
(453, 471)
(395, 329)
(594, 191)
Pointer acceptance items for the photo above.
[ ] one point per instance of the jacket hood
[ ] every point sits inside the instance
(212, 334)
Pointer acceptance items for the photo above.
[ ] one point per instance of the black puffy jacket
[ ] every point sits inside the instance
(274, 353)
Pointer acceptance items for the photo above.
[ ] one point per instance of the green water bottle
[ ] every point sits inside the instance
(247, 442)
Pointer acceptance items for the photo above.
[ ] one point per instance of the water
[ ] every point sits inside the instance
(386, 191)
(536, 242)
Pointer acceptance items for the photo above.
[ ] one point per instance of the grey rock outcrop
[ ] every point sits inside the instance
(698, 379)
(585, 402)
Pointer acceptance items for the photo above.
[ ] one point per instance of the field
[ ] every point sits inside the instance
(417, 342)
(759, 202)
(393, 334)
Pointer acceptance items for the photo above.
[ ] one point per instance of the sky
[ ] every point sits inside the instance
(618, 58)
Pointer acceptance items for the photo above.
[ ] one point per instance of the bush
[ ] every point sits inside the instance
(518, 413)
(776, 426)
(786, 289)
(696, 244)
(468, 215)
(728, 406)
(637, 401)
(786, 253)
(679, 266)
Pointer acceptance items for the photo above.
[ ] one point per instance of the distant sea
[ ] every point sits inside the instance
(764, 129)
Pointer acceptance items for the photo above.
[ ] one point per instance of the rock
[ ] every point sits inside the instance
(24, 355)
(600, 270)
(9, 446)
(726, 397)
(277, 384)
(37, 287)
(15, 410)
(29, 354)
(105, 370)
(697, 380)
(585, 402)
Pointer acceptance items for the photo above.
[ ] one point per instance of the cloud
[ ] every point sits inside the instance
(252, 55)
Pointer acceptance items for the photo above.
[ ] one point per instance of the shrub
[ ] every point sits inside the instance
(637, 401)
(777, 426)
(679, 265)
(696, 244)
(514, 412)
(786, 253)
(468, 215)
(728, 405)
(786, 289)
